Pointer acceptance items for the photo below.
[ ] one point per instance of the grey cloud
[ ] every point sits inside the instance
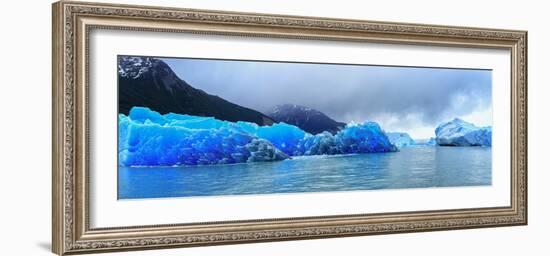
(344, 92)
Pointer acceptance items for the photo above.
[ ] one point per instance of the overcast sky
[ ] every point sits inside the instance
(404, 99)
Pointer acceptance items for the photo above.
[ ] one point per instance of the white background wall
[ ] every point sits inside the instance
(25, 149)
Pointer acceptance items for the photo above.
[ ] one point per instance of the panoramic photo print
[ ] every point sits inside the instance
(209, 127)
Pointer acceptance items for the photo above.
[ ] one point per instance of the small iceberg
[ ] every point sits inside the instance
(400, 139)
(463, 134)
(425, 142)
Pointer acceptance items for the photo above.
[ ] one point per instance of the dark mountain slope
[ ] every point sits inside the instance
(308, 119)
(149, 82)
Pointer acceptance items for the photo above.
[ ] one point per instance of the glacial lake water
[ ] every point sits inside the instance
(411, 167)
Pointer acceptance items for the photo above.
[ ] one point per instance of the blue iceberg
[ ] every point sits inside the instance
(460, 133)
(365, 137)
(147, 138)
(400, 139)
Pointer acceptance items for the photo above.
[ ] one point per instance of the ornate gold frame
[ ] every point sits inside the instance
(72, 21)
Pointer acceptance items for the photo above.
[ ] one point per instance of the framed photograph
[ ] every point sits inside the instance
(179, 127)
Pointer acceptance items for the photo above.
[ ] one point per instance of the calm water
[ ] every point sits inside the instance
(413, 167)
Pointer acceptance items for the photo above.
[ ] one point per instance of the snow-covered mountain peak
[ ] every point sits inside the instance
(134, 67)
